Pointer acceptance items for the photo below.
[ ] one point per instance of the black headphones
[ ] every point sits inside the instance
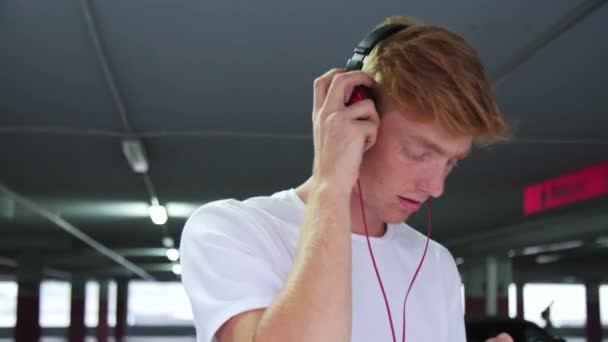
(361, 51)
(367, 44)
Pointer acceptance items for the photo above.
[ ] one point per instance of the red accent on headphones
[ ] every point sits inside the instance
(358, 94)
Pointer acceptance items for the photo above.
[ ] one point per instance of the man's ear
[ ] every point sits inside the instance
(378, 98)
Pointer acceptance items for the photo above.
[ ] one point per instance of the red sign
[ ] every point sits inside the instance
(566, 189)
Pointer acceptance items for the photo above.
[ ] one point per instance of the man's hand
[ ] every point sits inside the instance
(341, 133)
(501, 338)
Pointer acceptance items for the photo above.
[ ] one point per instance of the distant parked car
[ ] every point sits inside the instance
(480, 329)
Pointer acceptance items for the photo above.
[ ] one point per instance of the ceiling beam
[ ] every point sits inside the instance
(77, 233)
(557, 228)
(40, 243)
(118, 271)
(46, 271)
(559, 272)
(88, 257)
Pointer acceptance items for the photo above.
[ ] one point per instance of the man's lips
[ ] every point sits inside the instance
(409, 204)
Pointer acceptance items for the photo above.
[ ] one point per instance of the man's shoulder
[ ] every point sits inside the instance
(232, 207)
(238, 216)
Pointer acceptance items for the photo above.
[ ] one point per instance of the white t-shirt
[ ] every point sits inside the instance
(236, 256)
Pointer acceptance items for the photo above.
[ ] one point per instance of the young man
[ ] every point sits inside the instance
(295, 265)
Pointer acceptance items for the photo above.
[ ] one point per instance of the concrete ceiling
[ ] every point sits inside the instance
(219, 92)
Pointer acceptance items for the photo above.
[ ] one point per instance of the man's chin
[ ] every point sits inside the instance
(397, 219)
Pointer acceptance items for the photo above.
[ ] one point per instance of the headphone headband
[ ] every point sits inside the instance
(367, 44)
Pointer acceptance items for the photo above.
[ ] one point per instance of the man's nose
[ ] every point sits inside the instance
(433, 181)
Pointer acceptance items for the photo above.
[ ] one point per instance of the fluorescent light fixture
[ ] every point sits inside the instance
(158, 214)
(172, 254)
(602, 241)
(133, 150)
(546, 259)
(177, 269)
(7, 207)
(552, 247)
(181, 209)
(101, 209)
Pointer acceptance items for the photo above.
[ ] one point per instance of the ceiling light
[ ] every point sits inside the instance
(546, 259)
(177, 269)
(172, 254)
(158, 214)
(167, 242)
(181, 209)
(602, 241)
(133, 150)
(554, 247)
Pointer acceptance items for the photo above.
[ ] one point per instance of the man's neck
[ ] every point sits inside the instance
(375, 226)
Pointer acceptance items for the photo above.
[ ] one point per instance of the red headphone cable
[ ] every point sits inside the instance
(371, 253)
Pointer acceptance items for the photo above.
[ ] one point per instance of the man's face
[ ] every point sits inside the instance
(408, 163)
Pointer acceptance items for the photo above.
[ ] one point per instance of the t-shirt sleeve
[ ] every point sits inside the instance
(225, 270)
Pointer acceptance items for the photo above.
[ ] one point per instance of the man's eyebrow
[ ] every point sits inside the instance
(438, 149)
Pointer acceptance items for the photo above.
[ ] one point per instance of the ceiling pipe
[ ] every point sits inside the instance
(563, 24)
(118, 99)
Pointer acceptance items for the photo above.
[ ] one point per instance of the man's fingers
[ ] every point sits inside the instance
(321, 86)
(501, 338)
(362, 115)
(504, 337)
(342, 84)
(363, 110)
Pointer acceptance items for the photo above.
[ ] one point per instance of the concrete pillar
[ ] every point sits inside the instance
(520, 300)
(103, 330)
(473, 278)
(122, 296)
(504, 278)
(491, 279)
(486, 286)
(77, 329)
(29, 276)
(593, 328)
